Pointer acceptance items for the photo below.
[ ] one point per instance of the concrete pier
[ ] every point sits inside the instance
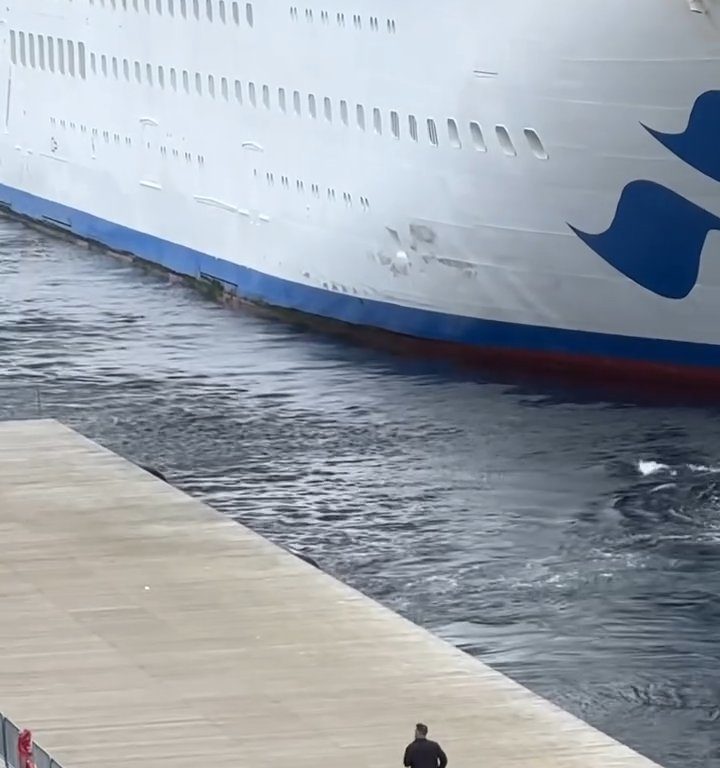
(138, 627)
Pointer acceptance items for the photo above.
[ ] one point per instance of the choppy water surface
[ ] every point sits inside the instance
(572, 543)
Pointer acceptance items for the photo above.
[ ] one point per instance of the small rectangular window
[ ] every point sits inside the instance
(312, 106)
(148, 73)
(81, 60)
(281, 99)
(23, 59)
(296, 102)
(221, 11)
(161, 76)
(171, 7)
(344, 111)
(211, 85)
(536, 144)
(377, 121)
(327, 109)
(115, 68)
(31, 49)
(209, 10)
(183, 8)
(93, 63)
(13, 47)
(453, 134)
(173, 78)
(158, 6)
(505, 141)
(198, 83)
(238, 91)
(51, 53)
(236, 13)
(61, 55)
(251, 94)
(360, 114)
(71, 57)
(126, 69)
(196, 9)
(41, 51)
(138, 72)
(186, 81)
(395, 124)
(432, 132)
(266, 96)
(412, 127)
(224, 88)
(249, 14)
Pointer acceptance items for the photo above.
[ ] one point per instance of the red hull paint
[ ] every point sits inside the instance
(634, 376)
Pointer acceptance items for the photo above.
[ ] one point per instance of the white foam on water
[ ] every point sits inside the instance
(663, 487)
(702, 468)
(646, 468)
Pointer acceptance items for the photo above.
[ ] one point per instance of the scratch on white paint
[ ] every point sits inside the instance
(54, 157)
(215, 203)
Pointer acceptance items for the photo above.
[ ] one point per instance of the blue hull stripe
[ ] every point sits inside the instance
(436, 326)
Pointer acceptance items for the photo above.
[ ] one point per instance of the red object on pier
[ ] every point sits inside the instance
(25, 749)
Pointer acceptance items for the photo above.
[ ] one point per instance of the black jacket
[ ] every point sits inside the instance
(423, 753)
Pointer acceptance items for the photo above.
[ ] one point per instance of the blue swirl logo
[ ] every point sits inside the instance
(657, 236)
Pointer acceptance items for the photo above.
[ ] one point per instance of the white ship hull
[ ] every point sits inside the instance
(442, 170)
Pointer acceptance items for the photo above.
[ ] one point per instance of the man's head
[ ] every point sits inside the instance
(421, 731)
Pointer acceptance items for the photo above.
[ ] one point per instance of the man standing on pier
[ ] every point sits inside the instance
(423, 753)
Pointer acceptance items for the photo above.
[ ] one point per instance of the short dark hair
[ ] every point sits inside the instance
(421, 728)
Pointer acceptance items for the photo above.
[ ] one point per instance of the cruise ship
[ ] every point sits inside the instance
(531, 180)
